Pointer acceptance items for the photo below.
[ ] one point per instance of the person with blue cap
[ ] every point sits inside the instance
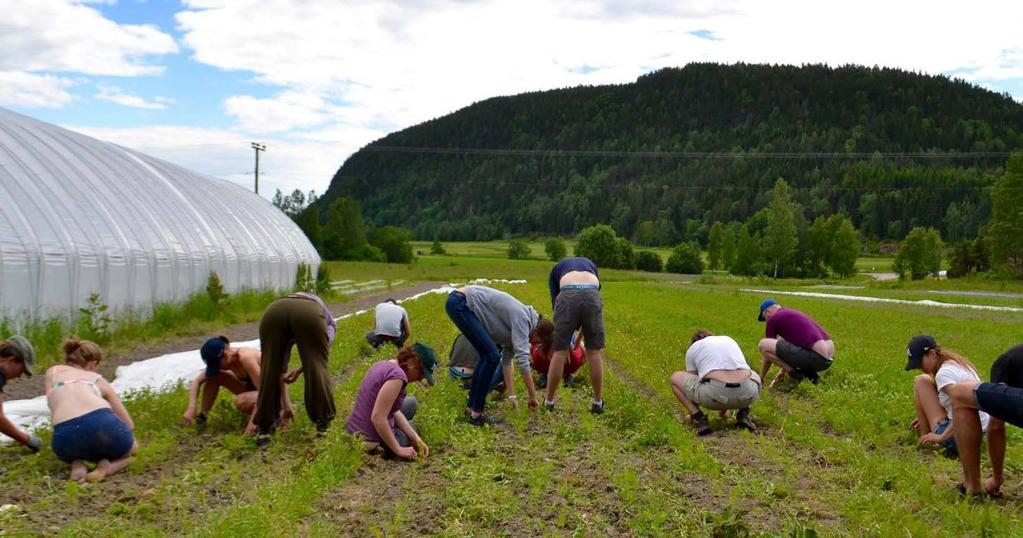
(794, 342)
(16, 358)
(235, 369)
(382, 414)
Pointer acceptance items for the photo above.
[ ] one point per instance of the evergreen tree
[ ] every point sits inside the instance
(1006, 229)
(352, 232)
(715, 245)
(844, 246)
(780, 235)
(746, 255)
(728, 247)
(436, 248)
(310, 224)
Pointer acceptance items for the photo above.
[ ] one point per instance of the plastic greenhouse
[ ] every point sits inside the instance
(81, 216)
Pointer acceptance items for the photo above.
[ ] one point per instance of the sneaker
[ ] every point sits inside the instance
(702, 425)
(483, 420)
(742, 420)
(814, 377)
(597, 408)
(796, 375)
(548, 406)
(542, 382)
(569, 380)
(262, 439)
(974, 497)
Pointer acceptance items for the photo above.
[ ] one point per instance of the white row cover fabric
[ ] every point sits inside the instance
(81, 216)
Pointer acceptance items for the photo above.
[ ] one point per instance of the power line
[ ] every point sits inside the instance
(685, 154)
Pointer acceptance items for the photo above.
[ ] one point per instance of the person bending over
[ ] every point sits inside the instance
(391, 325)
(16, 358)
(942, 368)
(382, 413)
(89, 421)
(300, 319)
(795, 342)
(462, 361)
(541, 354)
(488, 318)
(233, 368)
(575, 295)
(1002, 399)
(716, 377)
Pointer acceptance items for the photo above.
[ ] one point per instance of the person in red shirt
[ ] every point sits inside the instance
(540, 360)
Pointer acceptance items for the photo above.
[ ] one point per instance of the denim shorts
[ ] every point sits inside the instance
(949, 445)
(1001, 401)
(97, 435)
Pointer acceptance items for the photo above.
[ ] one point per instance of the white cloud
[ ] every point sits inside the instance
(115, 94)
(26, 89)
(305, 163)
(284, 112)
(67, 36)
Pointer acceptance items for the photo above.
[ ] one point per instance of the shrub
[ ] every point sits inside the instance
(600, 244)
(518, 250)
(215, 292)
(626, 254)
(394, 242)
(919, 254)
(322, 280)
(437, 249)
(303, 278)
(648, 261)
(94, 320)
(685, 259)
(555, 249)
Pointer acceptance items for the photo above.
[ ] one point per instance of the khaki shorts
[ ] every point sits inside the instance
(714, 394)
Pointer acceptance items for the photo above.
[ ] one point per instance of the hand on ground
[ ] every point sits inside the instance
(291, 376)
(533, 404)
(931, 438)
(514, 402)
(424, 449)
(406, 453)
(287, 416)
(250, 428)
(186, 419)
(993, 487)
(915, 425)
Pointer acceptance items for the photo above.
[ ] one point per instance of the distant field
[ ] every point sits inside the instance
(834, 459)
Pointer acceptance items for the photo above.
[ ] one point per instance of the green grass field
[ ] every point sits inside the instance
(831, 459)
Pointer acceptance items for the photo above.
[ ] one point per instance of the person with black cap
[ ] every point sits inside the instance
(233, 368)
(942, 368)
(16, 358)
(1002, 399)
(382, 414)
(795, 342)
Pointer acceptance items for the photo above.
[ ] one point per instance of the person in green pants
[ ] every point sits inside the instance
(304, 320)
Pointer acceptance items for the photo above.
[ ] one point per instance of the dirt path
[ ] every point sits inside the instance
(33, 386)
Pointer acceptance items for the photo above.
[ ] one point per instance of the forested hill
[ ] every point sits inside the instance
(554, 162)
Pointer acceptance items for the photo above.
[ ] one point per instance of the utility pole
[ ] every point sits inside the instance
(258, 147)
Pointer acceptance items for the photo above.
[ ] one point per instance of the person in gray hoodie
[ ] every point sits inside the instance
(488, 318)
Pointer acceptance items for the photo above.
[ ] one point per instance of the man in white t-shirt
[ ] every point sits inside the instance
(716, 377)
(391, 325)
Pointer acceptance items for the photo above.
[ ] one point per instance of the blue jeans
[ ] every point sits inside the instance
(476, 333)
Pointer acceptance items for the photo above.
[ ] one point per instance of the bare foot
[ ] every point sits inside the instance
(100, 472)
(78, 471)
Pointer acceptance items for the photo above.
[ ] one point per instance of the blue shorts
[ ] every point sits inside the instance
(949, 445)
(97, 435)
(1001, 401)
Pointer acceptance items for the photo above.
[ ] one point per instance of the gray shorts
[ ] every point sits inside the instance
(575, 308)
(800, 358)
(714, 394)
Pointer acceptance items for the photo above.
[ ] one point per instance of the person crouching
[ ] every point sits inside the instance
(716, 377)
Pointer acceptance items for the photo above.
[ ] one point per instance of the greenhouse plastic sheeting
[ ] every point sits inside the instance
(82, 216)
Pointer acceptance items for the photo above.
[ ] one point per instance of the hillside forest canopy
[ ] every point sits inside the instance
(664, 158)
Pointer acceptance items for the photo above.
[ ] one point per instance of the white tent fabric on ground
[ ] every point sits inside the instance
(83, 216)
(166, 371)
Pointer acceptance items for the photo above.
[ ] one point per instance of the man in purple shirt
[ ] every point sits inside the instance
(795, 342)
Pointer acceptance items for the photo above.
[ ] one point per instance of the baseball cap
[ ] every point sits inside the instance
(212, 352)
(768, 303)
(916, 349)
(428, 358)
(23, 351)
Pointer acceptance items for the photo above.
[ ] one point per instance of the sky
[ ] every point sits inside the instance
(195, 81)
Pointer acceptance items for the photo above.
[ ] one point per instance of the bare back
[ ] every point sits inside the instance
(72, 392)
(578, 277)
